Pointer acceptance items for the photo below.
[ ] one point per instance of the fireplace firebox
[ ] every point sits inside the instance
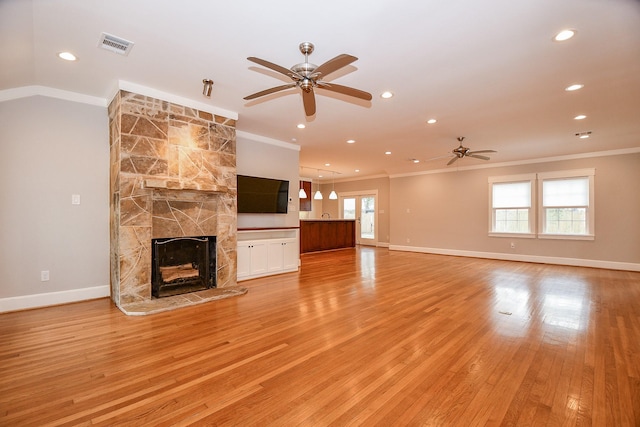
(182, 264)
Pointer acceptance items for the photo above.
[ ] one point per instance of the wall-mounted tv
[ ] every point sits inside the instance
(262, 195)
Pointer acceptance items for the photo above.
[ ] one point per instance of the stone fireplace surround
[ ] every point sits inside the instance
(172, 174)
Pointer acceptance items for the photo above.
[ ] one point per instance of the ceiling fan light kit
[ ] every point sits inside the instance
(308, 76)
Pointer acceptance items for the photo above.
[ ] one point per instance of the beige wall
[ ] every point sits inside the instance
(449, 212)
(51, 149)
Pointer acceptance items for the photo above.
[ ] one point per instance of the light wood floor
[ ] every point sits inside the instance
(357, 337)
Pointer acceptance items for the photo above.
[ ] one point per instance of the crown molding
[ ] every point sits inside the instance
(606, 153)
(266, 140)
(27, 91)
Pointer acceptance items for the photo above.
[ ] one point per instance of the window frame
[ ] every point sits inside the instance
(590, 208)
(531, 179)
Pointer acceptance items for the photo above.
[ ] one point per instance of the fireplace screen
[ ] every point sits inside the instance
(183, 264)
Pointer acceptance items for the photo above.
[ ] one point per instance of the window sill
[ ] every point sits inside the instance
(513, 235)
(567, 236)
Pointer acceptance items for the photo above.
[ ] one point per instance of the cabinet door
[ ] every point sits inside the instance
(258, 257)
(275, 255)
(291, 255)
(244, 259)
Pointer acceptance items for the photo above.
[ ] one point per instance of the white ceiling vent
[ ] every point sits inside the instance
(115, 44)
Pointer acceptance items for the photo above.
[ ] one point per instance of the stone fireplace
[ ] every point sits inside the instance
(173, 175)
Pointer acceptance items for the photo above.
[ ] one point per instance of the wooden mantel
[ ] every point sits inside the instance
(180, 185)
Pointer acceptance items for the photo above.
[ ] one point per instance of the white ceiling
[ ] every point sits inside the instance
(486, 70)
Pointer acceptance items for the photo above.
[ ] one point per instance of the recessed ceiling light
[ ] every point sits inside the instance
(351, 141)
(327, 164)
(574, 87)
(564, 35)
(583, 135)
(386, 95)
(431, 121)
(294, 139)
(357, 170)
(301, 126)
(415, 160)
(67, 56)
(387, 152)
(580, 117)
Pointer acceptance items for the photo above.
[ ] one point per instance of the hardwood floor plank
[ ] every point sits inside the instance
(363, 336)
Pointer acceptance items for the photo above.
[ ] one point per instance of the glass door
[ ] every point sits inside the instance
(362, 208)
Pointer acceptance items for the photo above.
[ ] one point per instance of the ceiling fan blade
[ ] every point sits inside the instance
(345, 90)
(482, 151)
(446, 156)
(287, 72)
(268, 91)
(452, 160)
(309, 101)
(335, 64)
(475, 156)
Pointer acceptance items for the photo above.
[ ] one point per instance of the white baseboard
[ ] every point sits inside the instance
(53, 298)
(576, 262)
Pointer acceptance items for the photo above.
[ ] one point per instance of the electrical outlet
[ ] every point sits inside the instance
(44, 276)
(513, 245)
(75, 199)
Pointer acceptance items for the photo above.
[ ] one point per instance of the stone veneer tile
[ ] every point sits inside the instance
(205, 116)
(144, 165)
(144, 146)
(135, 263)
(135, 211)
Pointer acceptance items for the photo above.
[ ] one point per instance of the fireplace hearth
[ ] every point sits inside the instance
(181, 265)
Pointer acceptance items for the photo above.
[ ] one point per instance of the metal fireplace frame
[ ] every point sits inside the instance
(180, 254)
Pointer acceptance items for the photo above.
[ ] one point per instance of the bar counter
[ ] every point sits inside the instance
(326, 234)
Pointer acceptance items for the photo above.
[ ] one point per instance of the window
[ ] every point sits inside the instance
(566, 209)
(511, 205)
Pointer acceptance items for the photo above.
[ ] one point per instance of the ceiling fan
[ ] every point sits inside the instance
(461, 152)
(308, 76)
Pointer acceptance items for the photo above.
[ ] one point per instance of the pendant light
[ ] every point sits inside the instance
(302, 194)
(333, 195)
(318, 194)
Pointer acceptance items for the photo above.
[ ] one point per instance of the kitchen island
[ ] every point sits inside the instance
(326, 234)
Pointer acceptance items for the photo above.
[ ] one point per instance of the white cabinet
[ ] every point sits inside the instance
(252, 258)
(266, 252)
(282, 255)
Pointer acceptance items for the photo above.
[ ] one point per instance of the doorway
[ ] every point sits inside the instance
(361, 207)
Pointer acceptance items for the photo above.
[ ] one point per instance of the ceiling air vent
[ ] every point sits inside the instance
(115, 44)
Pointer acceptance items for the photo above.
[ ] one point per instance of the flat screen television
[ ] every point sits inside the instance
(262, 195)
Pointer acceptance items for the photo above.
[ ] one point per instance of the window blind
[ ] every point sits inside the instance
(565, 192)
(511, 195)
